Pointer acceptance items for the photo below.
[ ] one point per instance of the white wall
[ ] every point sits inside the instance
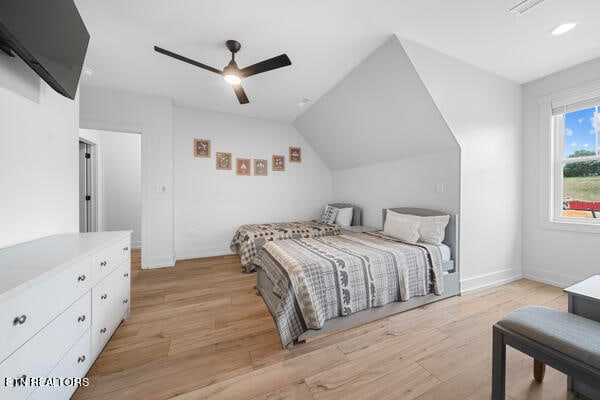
(211, 204)
(38, 157)
(409, 182)
(107, 109)
(553, 256)
(119, 169)
(483, 111)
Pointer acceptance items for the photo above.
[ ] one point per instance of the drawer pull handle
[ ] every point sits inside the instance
(20, 320)
(125, 301)
(103, 330)
(125, 248)
(103, 264)
(81, 318)
(103, 297)
(126, 274)
(81, 359)
(81, 278)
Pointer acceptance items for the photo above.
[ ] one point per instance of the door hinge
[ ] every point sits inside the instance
(88, 198)
(87, 155)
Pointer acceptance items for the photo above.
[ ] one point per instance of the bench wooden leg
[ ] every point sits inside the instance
(498, 366)
(539, 370)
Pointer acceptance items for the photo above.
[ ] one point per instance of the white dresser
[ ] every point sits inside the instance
(61, 299)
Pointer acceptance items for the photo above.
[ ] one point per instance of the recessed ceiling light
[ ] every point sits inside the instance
(87, 71)
(303, 102)
(563, 28)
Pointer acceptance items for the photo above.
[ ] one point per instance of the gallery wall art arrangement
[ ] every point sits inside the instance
(243, 166)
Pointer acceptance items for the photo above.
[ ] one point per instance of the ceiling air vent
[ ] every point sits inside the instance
(525, 6)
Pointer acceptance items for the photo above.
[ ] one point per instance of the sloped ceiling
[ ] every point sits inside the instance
(381, 111)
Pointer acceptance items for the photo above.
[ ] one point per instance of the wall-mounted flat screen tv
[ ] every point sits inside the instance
(50, 36)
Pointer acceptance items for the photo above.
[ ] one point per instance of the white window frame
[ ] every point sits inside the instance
(552, 159)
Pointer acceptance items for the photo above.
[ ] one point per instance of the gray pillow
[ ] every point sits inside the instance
(329, 215)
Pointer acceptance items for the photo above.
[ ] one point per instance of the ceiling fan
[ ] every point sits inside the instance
(232, 73)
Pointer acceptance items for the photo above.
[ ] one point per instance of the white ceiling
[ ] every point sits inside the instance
(324, 40)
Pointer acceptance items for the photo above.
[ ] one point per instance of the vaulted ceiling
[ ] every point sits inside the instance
(324, 39)
(381, 111)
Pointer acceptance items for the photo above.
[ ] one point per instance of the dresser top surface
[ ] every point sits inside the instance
(589, 288)
(24, 263)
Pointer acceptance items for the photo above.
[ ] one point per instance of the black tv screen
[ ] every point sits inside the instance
(50, 36)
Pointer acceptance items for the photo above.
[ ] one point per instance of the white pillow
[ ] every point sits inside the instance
(432, 229)
(344, 216)
(400, 228)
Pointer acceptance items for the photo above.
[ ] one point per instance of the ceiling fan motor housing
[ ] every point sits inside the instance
(231, 68)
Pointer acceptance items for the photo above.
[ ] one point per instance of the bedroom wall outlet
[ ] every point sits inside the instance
(440, 187)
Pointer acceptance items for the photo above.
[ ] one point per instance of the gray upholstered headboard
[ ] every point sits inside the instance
(452, 237)
(356, 213)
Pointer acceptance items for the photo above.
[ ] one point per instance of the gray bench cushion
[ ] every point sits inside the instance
(570, 334)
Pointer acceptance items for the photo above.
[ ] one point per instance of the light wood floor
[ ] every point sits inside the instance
(199, 331)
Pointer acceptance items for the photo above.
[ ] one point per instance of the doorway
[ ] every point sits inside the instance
(87, 187)
(114, 177)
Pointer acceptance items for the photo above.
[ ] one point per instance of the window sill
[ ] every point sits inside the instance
(572, 226)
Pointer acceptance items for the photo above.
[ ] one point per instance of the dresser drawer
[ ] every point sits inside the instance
(40, 355)
(110, 303)
(103, 330)
(105, 260)
(73, 366)
(125, 286)
(23, 315)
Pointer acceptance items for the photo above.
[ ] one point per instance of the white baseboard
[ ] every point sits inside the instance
(136, 245)
(158, 262)
(202, 252)
(550, 278)
(490, 280)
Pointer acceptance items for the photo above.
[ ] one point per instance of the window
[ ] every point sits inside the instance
(576, 162)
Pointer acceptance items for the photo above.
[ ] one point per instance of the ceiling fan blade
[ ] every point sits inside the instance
(187, 60)
(266, 65)
(241, 95)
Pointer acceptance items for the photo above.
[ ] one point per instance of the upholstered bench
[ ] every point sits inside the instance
(566, 342)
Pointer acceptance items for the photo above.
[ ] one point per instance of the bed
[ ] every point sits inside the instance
(313, 286)
(249, 239)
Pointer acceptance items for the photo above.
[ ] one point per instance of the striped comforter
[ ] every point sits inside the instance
(249, 239)
(318, 279)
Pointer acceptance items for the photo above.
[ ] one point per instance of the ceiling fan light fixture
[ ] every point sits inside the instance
(232, 74)
(232, 79)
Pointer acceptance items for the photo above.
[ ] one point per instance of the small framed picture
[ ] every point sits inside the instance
(278, 163)
(242, 166)
(202, 148)
(261, 167)
(223, 161)
(295, 154)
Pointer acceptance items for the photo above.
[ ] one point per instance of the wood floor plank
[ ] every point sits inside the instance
(401, 380)
(295, 391)
(199, 331)
(268, 379)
